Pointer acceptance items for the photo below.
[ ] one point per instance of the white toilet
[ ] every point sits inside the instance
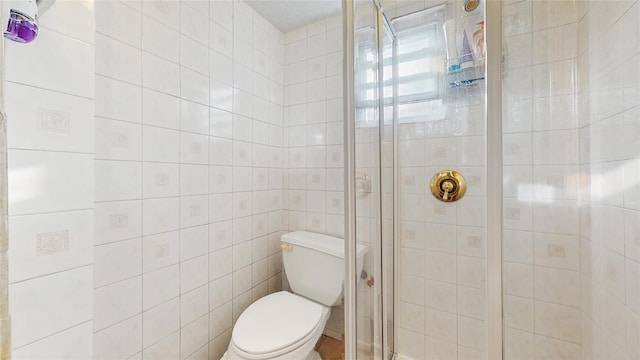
(286, 326)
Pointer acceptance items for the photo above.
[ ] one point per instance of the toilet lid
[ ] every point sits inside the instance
(275, 322)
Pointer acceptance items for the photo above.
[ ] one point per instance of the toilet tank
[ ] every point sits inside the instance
(314, 264)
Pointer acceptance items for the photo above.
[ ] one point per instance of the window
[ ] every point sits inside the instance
(420, 72)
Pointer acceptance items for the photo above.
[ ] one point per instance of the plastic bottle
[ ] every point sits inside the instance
(478, 38)
(452, 47)
(22, 23)
(466, 58)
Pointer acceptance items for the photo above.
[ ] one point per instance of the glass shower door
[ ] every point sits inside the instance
(367, 177)
(373, 178)
(387, 128)
(442, 260)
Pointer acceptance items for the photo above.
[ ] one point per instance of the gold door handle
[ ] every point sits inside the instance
(448, 185)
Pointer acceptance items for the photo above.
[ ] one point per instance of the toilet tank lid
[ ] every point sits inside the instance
(321, 242)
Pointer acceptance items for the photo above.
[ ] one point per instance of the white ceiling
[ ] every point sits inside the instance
(289, 15)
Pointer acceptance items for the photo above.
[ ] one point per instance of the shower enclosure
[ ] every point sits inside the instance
(410, 119)
(539, 258)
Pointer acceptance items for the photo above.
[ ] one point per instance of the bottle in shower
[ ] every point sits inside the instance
(22, 21)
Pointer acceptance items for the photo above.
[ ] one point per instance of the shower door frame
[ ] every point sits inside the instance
(350, 279)
(493, 136)
(389, 341)
(350, 282)
(494, 180)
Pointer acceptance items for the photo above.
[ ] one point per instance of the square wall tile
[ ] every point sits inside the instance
(116, 302)
(49, 243)
(69, 293)
(195, 304)
(46, 120)
(167, 12)
(119, 21)
(160, 109)
(82, 29)
(117, 180)
(160, 215)
(160, 75)
(120, 341)
(160, 322)
(160, 250)
(168, 347)
(160, 180)
(160, 39)
(117, 261)
(160, 145)
(117, 220)
(118, 60)
(69, 67)
(117, 99)
(160, 286)
(117, 140)
(73, 343)
(194, 241)
(557, 321)
(194, 86)
(194, 336)
(49, 181)
(194, 211)
(194, 179)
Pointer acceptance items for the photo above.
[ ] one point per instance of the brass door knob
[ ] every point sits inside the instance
(448, 185)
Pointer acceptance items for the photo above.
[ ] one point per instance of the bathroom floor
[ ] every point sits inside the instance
(330, 348)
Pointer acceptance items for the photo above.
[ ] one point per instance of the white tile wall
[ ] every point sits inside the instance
(182, 159)
(578, 246)
(182, 146)
(308, 120)
(541, 209)
(608, 129)
(50, 109)
(203, 111)
(313, 137)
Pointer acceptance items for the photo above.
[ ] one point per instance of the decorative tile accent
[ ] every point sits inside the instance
(53, 120)
(52, 243)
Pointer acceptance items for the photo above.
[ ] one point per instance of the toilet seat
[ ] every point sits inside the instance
(277, 324)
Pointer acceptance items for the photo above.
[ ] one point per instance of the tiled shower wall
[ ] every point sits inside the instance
(49, 92)
(442, 301)
(574, 292)
(609, 108)
(541, 252)
(313, 136)
(189, 168)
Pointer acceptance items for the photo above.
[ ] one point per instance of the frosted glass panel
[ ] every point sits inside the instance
(367, 169)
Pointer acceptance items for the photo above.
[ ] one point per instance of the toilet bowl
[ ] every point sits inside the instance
(280, 326)
(287, 326)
